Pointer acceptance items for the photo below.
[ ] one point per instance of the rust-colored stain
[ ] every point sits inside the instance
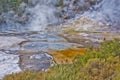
(67, 55)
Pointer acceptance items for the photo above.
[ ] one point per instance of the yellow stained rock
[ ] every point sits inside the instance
(66, 56)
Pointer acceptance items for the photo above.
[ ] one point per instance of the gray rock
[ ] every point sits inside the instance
(9, 42)
(37, 61)
(8, 64)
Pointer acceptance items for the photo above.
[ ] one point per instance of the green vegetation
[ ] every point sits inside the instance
(6, 5)
(60, 3)
(102, 63)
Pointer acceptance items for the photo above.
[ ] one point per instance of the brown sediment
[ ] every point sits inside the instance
(67, 55)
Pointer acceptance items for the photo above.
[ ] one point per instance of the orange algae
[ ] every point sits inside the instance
(67, 55)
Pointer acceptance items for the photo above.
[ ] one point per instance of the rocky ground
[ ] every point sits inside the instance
(28, 51)
(40, 50)
(24, 47)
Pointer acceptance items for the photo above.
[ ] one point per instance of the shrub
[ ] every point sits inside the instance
(6, 5)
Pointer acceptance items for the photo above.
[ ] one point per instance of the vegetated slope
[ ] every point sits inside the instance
(102, 63)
